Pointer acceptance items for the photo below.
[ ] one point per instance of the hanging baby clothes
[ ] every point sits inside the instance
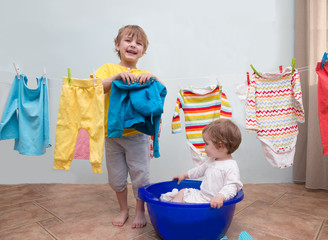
(323, 103)
(201, 106)
(81, 106)
(4, 93)
(82, 148)
(26, 117)
(274, 105)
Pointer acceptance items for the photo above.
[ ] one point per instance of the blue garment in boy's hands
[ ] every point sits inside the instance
(137, 106)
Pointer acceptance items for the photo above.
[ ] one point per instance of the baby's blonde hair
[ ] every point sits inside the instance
(132, 30)
(224, 131)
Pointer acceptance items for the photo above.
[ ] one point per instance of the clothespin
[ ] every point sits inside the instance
(69, 75)
(293, 65)
(17, 70)
(280, 68)
(44, 76)
(94, 77)
(248, 81)
(217, 81)
(324, 59)
(255, 71)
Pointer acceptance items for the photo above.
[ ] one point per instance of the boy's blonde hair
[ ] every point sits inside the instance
(224, 131)
(132, 30)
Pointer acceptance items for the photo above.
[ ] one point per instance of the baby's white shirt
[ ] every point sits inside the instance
(219, 177)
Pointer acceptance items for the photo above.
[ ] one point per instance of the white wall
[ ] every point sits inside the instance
(191, 42)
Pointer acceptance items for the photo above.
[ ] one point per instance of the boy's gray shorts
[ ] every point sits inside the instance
(128, 155)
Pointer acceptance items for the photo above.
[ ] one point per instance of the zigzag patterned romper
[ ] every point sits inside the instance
(274, 105)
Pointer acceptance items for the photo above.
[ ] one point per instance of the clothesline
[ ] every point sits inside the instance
(300, 69)
(5, 83)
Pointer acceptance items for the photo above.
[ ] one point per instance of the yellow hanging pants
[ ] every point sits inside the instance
(81, 106)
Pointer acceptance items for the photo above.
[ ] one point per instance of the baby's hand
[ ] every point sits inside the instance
(180, 177)
(127, 77)
(144, 77)
(217, 201)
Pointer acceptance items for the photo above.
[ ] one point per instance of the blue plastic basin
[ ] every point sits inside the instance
(179, 221)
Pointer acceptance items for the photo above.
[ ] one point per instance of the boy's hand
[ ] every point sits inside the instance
(217, 201)
(126, 77)
(180, 177)
(144, 77)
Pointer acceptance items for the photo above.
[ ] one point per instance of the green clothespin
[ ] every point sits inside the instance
(255, 70)
(293, 65)
(69, 75)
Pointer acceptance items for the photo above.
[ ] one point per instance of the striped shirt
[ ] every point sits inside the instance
(201, 106)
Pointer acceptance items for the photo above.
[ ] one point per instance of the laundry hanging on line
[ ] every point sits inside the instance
(26, 116)
(274, 106)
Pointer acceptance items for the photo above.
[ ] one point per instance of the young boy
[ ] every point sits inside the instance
(221, 173)
(131, 153)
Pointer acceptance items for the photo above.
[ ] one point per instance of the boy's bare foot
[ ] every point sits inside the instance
(139, 221)
(120, 219)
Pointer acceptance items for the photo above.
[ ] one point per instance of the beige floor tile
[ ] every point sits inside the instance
(144, 237)
(50, 222)
(278, 222)
(283, 211)
(235, 230)
(243, 204)
(18, 194)
(291, 187)
(7, 186)
(77, 206)
(153, 235)
(318, 194)
(27, 232)
(98, 226)
(324, 232)
(265, 192)
(111, 195)
(308, 205)
(52, 191)
(21, 214)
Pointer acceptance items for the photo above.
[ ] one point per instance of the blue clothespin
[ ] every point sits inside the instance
(293, 65)
(324, 58)
(69, 75)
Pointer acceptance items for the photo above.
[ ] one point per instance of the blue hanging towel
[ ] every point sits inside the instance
(26, 117)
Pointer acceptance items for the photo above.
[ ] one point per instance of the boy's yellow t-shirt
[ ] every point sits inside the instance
(107, 70)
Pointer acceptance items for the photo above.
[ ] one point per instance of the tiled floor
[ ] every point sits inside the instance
(67, 211)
